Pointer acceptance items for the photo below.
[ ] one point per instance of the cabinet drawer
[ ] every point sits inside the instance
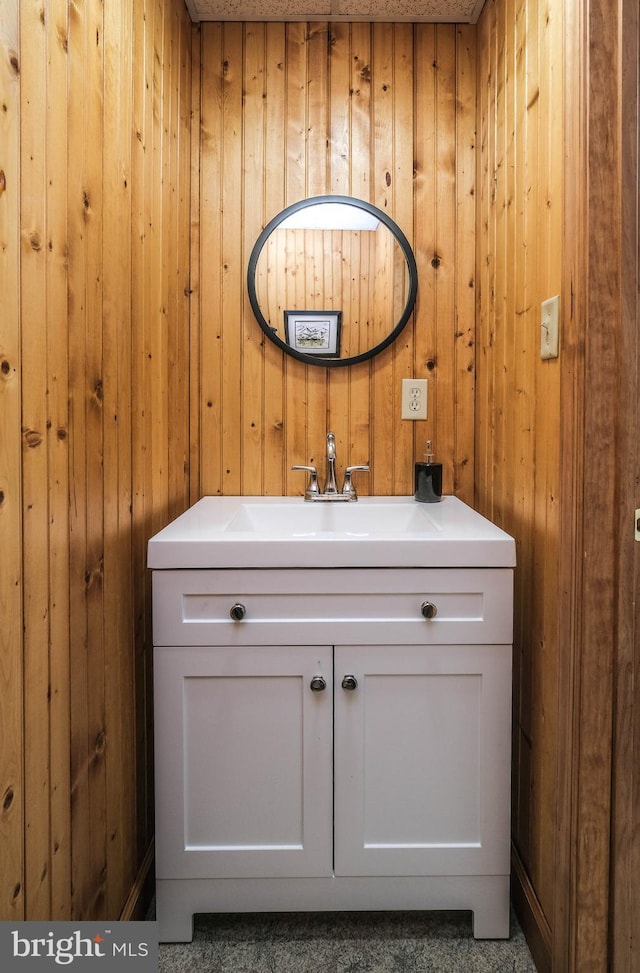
(361, 606)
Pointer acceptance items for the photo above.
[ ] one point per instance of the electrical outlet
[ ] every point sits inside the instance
(414, 398)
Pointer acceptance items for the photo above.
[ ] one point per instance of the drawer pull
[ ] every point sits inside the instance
(428, 609)
(238, 611)
(349, 683)
(318, 684)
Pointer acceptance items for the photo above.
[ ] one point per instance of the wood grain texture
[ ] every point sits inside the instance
(118, 551)
(12, 865)
(58, 462)
(592, 754)
(33, 301)
(558, 187)
(572, 422)
(94, 445)
(520, 243)
(626, 757)
(302, 110)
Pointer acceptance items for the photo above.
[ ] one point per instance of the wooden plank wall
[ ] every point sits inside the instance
(384, 112)
(518, 449)
(94, 396)
(626, 848)
(625, 926)
(596, 927)
(11, 670)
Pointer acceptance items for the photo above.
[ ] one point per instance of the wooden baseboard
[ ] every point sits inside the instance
(530, 914)
(139, 899)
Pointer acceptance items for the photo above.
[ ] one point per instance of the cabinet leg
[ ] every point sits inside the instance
(173, 915)
(491, 911)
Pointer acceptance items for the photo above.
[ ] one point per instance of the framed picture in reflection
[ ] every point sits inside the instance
(314, 332)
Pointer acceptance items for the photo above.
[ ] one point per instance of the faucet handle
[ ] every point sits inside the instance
(348, 488)
(312, 489)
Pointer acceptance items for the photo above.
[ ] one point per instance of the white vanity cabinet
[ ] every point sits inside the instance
(333, 748)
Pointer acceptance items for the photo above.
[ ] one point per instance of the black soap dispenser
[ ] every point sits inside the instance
(428, 479)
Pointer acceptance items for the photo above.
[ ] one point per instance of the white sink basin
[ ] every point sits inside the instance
(240, 532)
(361, 519)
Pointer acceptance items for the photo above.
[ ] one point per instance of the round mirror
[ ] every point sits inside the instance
(332, 280)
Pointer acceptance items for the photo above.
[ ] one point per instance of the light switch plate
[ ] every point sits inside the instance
(549, 325)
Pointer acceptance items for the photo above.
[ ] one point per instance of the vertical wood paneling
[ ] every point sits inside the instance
(12, 895)
(593, 755)
(34, 462)
(231, 282)
(348, 108)
(252, 431)
(296, 385)
(317, 162)
(520, 264)
(210, 383)
(384, 190)
(626, 850)
(402, 205)
(350, 166)
(160, 407)
(525, 204)
(118, 550)
(155, 277)
(465, 263)
(599, 400)
(546, 663)
(485, 247)
(140, 447)
(575, 279)
(193, 246)
(357, 386)
(275, 121)
(444, 257)
(86, 443)
(56, 139)
(597, 894)
(94, 383)
(424, 244)
(339, 123)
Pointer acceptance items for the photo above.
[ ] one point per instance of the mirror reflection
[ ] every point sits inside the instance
(332, 280)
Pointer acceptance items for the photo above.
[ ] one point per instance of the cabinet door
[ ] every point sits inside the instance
(243, 761)
(422, 755)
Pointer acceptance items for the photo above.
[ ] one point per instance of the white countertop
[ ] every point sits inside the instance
(277, 532)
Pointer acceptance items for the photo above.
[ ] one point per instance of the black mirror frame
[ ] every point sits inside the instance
(404, 245)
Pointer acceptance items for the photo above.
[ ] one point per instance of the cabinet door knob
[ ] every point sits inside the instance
(349, 683)
(428, 609)
(318, 684)
(238, 611)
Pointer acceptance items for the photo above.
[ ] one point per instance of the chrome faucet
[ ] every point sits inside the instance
(330, 485)
(330, 491)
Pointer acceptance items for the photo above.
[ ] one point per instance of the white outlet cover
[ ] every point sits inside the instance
(414, 398)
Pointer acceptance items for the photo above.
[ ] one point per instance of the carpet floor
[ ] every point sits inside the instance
(345, 942)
